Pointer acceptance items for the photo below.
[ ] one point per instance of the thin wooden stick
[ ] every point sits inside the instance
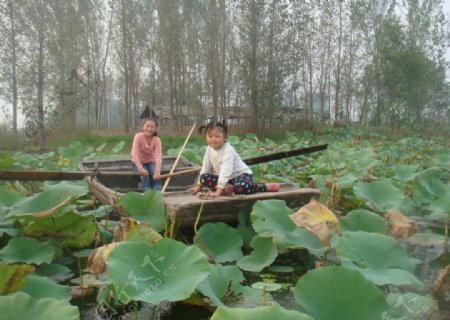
(166, 183)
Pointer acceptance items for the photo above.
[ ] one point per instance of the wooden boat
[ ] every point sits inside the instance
(183, 207)
(109, 186)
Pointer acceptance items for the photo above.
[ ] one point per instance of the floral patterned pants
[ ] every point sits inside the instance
(243, 184)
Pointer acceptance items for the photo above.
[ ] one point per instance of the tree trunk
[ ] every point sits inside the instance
(13, 65)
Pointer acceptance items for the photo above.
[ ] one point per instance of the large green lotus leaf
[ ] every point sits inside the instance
(273, 311)
(71, 228)
(378, 257)
(85, 238)
(434, 186)
(56, 272)
(440, 205)
(405, 172)
(381, 195)
(410, 306)
(347, 181)
(335, 293)
(8, 228)
(50, 201)
(245, 227)
(363, 220)
(270, 218)
(442, 158)
(6, 160)
(167, 270)
(21, 306)
(148, 207)
(142, 232)
(264, 254)
(9, 197)
(41, 287)
(373, 251)
(27, 250)
(221, 284)
(118, 147)
(301, 238)
(12, 277)
(99, 212)
(219, 240)
(381, 277)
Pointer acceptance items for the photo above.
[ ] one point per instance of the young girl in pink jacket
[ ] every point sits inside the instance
(146, 155)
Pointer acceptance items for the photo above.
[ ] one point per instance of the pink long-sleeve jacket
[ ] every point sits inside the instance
(146, 151)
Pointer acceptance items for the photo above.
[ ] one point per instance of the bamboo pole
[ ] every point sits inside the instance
(166, 183)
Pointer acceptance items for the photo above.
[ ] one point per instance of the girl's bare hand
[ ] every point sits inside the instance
(195, 190)
(214, 194)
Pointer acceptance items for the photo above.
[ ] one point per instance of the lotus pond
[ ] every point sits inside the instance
(374, 246)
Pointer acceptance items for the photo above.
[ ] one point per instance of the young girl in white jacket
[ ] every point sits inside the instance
(223, 171)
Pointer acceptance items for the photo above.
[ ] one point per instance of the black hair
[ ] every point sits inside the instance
(156, 124)
(214, 125)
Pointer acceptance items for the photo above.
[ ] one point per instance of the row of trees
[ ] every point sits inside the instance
(373, 61)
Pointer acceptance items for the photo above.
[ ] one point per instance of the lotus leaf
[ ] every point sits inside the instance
(245, 227)
(313, 213)
(347, 181)
(378, 257)
(75, 151)
(435, 187)
(335, 293)
(222, 284)
(441, 205)
(70, 228)
(41, 287)
(27, 250)
(50, 201)
(219, 240)
(266, 286)
(148, 207)
(98, 257)
(57, 272)
(363, 220)
(270, 218)
(118, 147)
(263, 255)
(6, 160)
(381, 195)
(8, 228)
(21, 306)
(142, 233)
(91, 280)
(273, 311)
(302, 239)
(410, 306)
(9, 197)
(12, 277)
(167, 270)
(405, 172)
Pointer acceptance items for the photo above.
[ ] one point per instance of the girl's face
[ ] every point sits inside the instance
(215, 138)
(149, 128)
